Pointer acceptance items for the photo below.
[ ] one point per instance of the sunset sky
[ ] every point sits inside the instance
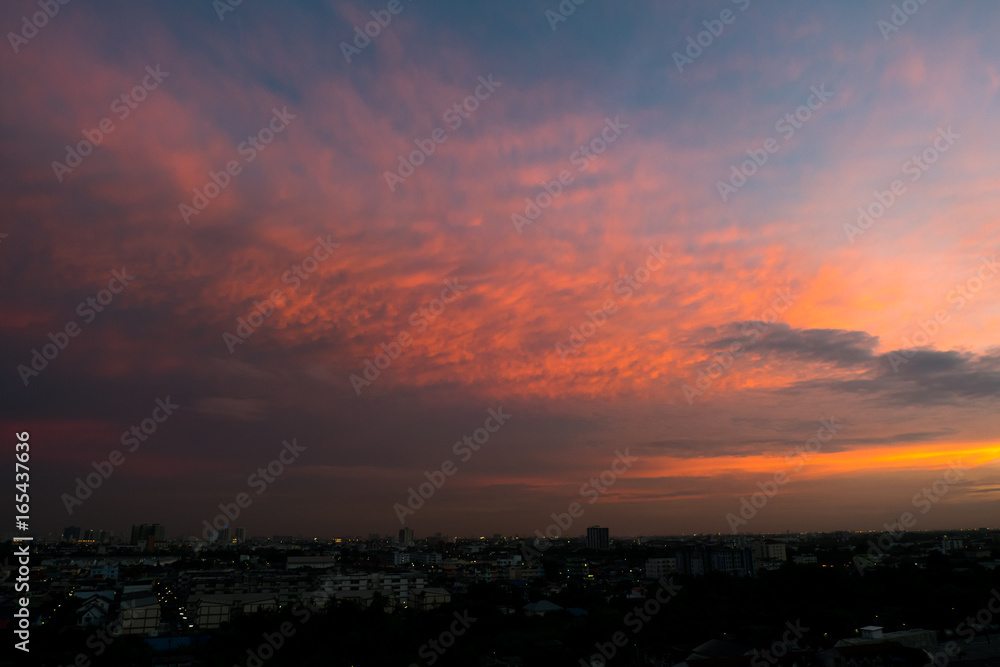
(688, 175)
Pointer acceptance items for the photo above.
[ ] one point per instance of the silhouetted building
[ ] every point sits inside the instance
(577, 567)
(142, 533)
(772, 550)
(660, 567)
(701, 560)
(598, 538)
(406, 536)
(71, 533)
(949, 544)
(139, 613)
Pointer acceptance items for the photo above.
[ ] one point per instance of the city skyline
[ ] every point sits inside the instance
(472, 270)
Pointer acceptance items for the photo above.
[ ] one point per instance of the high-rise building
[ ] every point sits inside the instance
(660, 567)
(406, 536)
(71, 533)
(700, 560)
(578, 567)
(240, 534)
(142, 532)
(769, 550)
(598, 538)
(949, 544)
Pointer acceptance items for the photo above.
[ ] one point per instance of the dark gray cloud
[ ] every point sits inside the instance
(841, 347)
(922, 376)
(783, 444)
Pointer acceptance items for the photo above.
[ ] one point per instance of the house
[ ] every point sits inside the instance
(366, 598)
(525, 572)
(425, 599)
(211, 611)
(106, 571)
(873, 634)
(718, 649)
(139, 614)
(540, 608)
(94, 610)
(313, 562)
(660, 567)
(637, 593)
(508, 561)
(426, 558)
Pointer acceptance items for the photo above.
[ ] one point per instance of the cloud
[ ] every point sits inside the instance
(830, 353)
(244, 409)
(849, 363)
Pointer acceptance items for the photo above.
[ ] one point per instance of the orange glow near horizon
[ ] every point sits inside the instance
(913, 458)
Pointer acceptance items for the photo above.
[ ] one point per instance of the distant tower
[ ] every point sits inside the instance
(598, 538)
(406, 536)
(241, 534)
